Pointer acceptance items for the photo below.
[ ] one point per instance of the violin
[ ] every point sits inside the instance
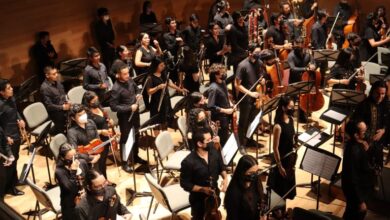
(314, 100)
(263, 97)
(96, 146)
(114, 142)
(211, 206)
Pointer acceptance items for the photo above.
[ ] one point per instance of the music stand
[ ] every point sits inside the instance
(128, 148)
(73, 68)
(297, 89)
(229, 150)
(335, 116)
(313, 137)
(325, 55)
(376, 77)
(321, 163)
(267, 108)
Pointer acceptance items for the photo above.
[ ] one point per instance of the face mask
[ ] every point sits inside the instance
(83, 118)
(256, 56)
(209, 146)
(298, 50)
(68, 162)
(290, 112)
(95, 104)
(202, 123)
(99, 192)
(223, 77)
(250, 178)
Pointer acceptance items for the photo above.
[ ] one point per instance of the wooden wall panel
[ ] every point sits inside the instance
(69, 23)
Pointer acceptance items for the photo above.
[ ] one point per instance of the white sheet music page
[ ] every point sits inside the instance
(229, 149)
(335, 115)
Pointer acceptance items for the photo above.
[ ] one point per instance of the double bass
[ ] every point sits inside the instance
(275, 72)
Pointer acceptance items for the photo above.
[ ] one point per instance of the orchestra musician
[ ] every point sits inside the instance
(11, 122)
(238, 39)
(248, 72)
(124, 100)
(380, 13)
(70, 169)
(215, 44)
(345, 10)
(308, 8)
(196, 100)
(276, 32)
(223, 17)
(218, 101)
(123, 57)
(319, 31)
(289, 18)
(4, 163)
(101, 201)
(105, 36)
(44, 53)
(145, 53)
(357, 178)
(147, 16)
(200, 171)
(282, 178)
(55, 100)
(354, 43)
(95, 75)
(245, 195)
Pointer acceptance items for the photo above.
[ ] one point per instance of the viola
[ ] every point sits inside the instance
(314, 100)
(263, 97)
(211, 206)
(96, 146)
(114, 142)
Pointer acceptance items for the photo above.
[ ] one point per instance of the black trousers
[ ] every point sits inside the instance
(101, 164)
(352, 211)
(223, 131)
(248, 112)
(125, 127)
(59, 119)
(11, 172)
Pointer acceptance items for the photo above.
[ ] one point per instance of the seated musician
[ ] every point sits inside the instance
(54, 99)
(97, 115)
(200, 172)
(354, 43)
(70, 169)
(245, 197)
(101, 200)
(196, 100)
(82, 130)
(218, 101)
(95, 75)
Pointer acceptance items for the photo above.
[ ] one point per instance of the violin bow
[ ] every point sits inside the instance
(137, 101)
(331, 30)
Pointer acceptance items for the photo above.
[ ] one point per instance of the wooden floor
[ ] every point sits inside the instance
(304, 199)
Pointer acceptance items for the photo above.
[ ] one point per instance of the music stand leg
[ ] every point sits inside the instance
(318, 192)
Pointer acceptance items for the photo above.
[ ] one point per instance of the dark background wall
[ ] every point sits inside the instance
(69, 23)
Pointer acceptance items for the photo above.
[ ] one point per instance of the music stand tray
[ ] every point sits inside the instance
(313, 137)
(73, 67)
(299, 88)
(325, 55)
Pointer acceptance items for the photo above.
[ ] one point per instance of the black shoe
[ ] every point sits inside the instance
(140, 160)
(242, 151)
(109, 183)
(15, 192)
(127, 168)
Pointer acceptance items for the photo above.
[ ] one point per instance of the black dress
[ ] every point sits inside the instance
(212, 48)
(278, 183)
(101, 123)
(339, 72)
(147, 57)
(166, 109)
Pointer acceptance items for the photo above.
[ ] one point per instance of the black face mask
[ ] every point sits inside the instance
(290, 112)
(100, 192)
(298, 51)
(202, 123)
(68, 162)
(250, 178)
(223, 77)
(209, 146)
(95, 104)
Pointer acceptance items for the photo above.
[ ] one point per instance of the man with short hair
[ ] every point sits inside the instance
(55, 100)
(200, 172)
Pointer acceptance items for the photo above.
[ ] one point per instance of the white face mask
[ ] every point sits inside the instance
(83, 118)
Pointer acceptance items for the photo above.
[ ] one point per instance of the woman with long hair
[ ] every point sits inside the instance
(342, 70)
(145, 53)
(244, 197)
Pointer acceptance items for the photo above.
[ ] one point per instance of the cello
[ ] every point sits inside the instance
(275, 72)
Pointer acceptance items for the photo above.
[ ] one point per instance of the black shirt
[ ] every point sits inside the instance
(217, 98)
(118, 63)
(277, 35)
(195, 171)
(345, 13)
(238, 39)
(147, 18)
(223, 20)
(305, 8)
(4, 147)
(93, 77)
(79, 136)
(170, 42)
(9, 117)
(90, 208)
(53, 95)
(248, 73)
(367, 49)
(192, 37)
(318, 36)
(213, 46)
(104, 33)
(342, 72)
(298, 63)
(42, 52)
(357, 177)
(123, 95)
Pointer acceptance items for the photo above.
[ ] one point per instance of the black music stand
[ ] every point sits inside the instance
(267, 108)
(321, 163)
(297, 89)
(376, 77)
(346, 99)
(73, 68)
(325, 55)
(335, 116)
(128, 149)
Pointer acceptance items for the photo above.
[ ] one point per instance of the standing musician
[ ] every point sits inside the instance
(238, 39)
(44, 53)
(101, 200)
(157, 83)
(215, 44)
(70, 169)
(95, 75)
(95, 113)
(357, 179)
(199, 173)
(380, 13)
(372, 39)
(4, 163)
(82, 130)
(123, 57)
(245, 197)
(222, 17)
(345, 13)
(10, 122)
(54, 98)
(373, 111)
(105, 35)
(277, 34)
(145, 53)
(248, 72)
(172, 42)
(289, 18)
(124, 100)
(218, 101)
(192, 40)
(282, 178)
(319, 31)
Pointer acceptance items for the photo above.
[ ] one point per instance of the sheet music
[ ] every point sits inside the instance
(320, 164)
(335, 115)
(310, 139)
(129, 144)
(229, 150)
(254, 124)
